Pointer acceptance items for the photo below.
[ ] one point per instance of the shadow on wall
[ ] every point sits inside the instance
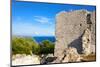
(77, 43)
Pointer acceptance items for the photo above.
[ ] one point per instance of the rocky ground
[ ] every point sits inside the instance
(91, 57)
(22, 59)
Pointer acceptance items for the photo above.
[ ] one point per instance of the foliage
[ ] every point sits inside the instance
(47, 47)
(27, 45)
(23, 45)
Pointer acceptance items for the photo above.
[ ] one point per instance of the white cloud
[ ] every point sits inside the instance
(36, 33)
(28, 29)
(20, 27)
(42, 19)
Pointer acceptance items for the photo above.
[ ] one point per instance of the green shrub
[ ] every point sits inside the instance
(36, 49)
(24, 45)
(27, 45)
(47, 47)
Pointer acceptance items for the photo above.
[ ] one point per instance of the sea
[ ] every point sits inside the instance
(39, 39)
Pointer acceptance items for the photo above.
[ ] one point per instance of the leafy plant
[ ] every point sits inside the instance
(23, 45)
(47, 47)
(27, 45)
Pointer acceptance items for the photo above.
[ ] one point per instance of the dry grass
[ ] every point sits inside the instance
(91, 57)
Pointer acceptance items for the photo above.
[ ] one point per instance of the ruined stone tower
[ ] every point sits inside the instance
(70, 27)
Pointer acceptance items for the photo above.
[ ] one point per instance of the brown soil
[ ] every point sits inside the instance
(91, 57)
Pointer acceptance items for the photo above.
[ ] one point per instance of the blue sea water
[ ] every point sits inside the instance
(39, 39)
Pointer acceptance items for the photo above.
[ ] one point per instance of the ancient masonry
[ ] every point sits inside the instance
(76, 30)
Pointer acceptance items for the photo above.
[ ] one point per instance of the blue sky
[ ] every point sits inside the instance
(38, 19)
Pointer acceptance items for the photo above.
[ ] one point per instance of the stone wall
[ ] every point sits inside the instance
(70, 27)
(93, 31)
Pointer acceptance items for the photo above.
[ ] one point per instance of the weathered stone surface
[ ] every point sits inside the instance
(70, 27)
(47, 59)
(23, 59)
(93, 32)
(71, 55)
(86, 42)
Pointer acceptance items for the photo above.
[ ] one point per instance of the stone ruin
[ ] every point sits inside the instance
(75, 34)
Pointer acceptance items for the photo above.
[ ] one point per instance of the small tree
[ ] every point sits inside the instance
(23, 45)
(47, 47)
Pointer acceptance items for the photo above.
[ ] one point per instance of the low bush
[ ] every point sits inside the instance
(23, 45)
(47, 47)
(27, 45)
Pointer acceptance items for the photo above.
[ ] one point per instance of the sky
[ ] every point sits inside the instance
(38, 19)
